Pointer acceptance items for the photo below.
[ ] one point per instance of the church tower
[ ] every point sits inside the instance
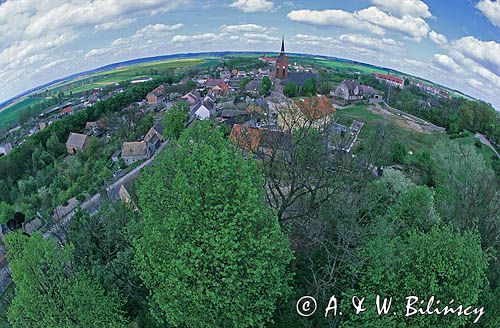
(282, 63)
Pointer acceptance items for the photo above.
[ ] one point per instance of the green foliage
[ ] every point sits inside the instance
(103, 250)
(290, 90)
(48, 293)
(265, 85)
(440, 263)
(309, 88)
(399, 152)
(466, 189)
(211, 251)
(6, 212)
(244, 82)
(174, 120)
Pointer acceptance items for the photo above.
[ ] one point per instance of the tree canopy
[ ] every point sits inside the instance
(211, 250)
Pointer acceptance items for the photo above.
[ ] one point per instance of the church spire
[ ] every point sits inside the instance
(283, 44)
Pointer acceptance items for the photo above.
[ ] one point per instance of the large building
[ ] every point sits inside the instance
(282, 63)
(282, 73)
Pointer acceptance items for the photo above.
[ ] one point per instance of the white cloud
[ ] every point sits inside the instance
(400, 8)
(484, 53)
(120, 42)
(243, 28)
(116, 24)
(437, 38)
(370, 43)
(413, 27)
(371, 19)
(157, 30)
(194, 37)
(447, 63)
(334, 17)
(252, 6)
(490, 9)
(475, 84)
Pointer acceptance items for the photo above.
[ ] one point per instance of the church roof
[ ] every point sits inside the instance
(299, 78)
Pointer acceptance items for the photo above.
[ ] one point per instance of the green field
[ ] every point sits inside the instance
(9, 114)
(105, 78)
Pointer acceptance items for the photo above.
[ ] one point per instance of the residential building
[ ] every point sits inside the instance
(315, 112)
(5, 149)
(391, 80)
(349, 90)
(76, 142)
(154, 136)
(156, 96)
(135, 151)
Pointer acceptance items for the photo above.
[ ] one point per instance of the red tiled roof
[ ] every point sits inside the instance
(316, 107)
(391, 78)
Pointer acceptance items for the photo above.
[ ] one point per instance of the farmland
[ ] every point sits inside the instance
(9, 114)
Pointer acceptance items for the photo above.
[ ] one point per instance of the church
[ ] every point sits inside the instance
(283, 73)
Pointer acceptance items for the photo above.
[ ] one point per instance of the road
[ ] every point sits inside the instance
(486, 142)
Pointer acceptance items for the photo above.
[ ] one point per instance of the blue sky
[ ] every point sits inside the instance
(455, 43)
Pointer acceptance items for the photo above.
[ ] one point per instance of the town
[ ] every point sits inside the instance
(102, 139)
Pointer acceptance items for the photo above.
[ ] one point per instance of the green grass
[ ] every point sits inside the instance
(9, 114)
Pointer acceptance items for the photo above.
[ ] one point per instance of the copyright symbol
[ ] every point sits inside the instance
(306, 306)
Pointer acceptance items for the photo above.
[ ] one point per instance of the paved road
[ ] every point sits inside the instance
(486, 142)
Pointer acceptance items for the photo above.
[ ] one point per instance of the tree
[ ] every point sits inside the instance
(399, 152)
(174, 120)
(466, 190)
(211, 251)
(453, 265)
(244, 82)
(265, 85)
(48, 293)
(102, 248)
(309, 88)
(6, 212)
(290, 90)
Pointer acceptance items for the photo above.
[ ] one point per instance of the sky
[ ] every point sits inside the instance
(452, 42)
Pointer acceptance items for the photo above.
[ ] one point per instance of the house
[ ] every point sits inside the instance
(391, 80)
(42, 125)
(259, 140)
(221, 89)
(315, 112)
(154, 136)
(253, 87)
(200, 111)
(67, 109)
(156, 96)
(91, 125)
(349, 90)
(135, 151)
(191, 98)
(76, 142)
(5, 149)
(32, 226)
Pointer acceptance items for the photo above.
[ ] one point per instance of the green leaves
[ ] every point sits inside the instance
(211, 251)
(49, 293)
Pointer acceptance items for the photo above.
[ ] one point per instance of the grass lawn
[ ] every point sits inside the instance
(9, 114)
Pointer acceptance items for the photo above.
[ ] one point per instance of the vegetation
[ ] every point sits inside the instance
(205, 238)
(174, 121)
(265, 85)
(232, 268)
(290, 89)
